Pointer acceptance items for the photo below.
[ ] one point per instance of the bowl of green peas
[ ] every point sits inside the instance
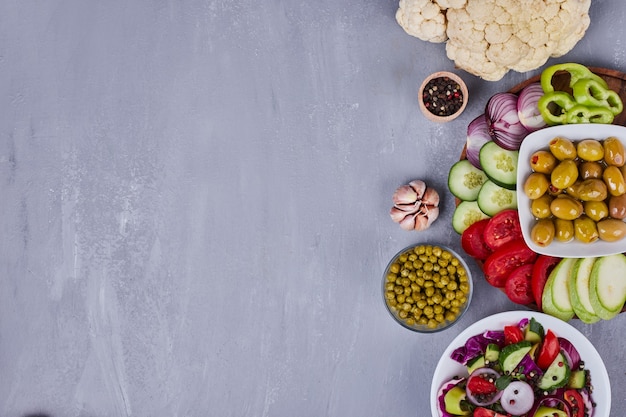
(427, 287)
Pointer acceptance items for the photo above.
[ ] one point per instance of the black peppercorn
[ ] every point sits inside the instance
(442, 96)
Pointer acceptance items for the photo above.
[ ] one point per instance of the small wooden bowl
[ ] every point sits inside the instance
(463, 91)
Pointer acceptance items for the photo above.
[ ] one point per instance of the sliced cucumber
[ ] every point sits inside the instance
(512, 355)
(499, 164)
(577, 379)
(475, 363)
(466, 214)
(534, 331)
(557, 374)
(493, 198)
(465, 180)
(492, 352)
(608, 285)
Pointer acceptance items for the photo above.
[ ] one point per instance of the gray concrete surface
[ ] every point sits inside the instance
(194, 203)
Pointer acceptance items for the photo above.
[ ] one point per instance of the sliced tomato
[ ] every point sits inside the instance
(481, 386)
(517, 286)
(485, 412)
(473, 242)
(550, 348)
(541, 271)
(499, 265)
(575, 401)
(502, 228)
(512, 334)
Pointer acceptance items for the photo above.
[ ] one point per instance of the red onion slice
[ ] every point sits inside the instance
(477, 136)
(527, 109)
(503, 121)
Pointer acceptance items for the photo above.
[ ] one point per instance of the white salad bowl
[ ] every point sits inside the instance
(540, 140)
(447, 368)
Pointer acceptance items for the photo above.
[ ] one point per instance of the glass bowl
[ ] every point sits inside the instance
(441, 279)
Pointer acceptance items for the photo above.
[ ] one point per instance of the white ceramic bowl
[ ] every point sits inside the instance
(447, 368)
(540, 140)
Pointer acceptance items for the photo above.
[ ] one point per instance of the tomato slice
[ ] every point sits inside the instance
(499, 265)
(473, 242)
(517, 286)
(550, 348)
(480, 386)
(485, 412)
(541, 271)
(502, 228)
(575, 401)
(512, 334)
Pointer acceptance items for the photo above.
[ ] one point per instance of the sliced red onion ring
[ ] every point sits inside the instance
(550, 401)
(477, 136)
(527, 109)
(570, 352)
(503, 122)
(477, 374)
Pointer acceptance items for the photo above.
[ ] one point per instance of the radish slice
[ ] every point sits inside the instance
(517, 398)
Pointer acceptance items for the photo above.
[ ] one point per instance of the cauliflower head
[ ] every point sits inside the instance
(488, 38)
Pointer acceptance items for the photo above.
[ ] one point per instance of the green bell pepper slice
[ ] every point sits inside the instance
(589, 114)
(576, 71)
(591, 93)
(554, 106)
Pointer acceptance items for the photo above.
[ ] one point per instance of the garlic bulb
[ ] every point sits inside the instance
(415, 206)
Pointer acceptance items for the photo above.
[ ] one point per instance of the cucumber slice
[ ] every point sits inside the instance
(577, 379)
(465, 180)
(512, 355)
(608, 285)
(534, 331)
(477, 362)
(499, 164)
(492, 352)
(493, 198)
(466, 214)
(557, 374)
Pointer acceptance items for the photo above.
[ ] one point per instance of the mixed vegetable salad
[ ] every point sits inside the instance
(520, 370)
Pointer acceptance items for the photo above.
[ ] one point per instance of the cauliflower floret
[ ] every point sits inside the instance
(423, 19)
(488, 38)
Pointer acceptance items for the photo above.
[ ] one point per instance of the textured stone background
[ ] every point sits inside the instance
(194, 203)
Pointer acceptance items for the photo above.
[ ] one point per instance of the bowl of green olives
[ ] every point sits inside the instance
(427, 287)
(571, 190)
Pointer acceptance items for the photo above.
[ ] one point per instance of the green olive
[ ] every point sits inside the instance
(542, 161)
(590, 150)
(566, 208)
(614, 180)
(588, 169)
(596, 210)
(425, 285)
(562, 148)
(543, 232)
(536, 185)
(614, 153)
(589, 190)
(540, 207)
(585, 230)
(564, 174)
(611, 230)
(617, 207)
(564, 230)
